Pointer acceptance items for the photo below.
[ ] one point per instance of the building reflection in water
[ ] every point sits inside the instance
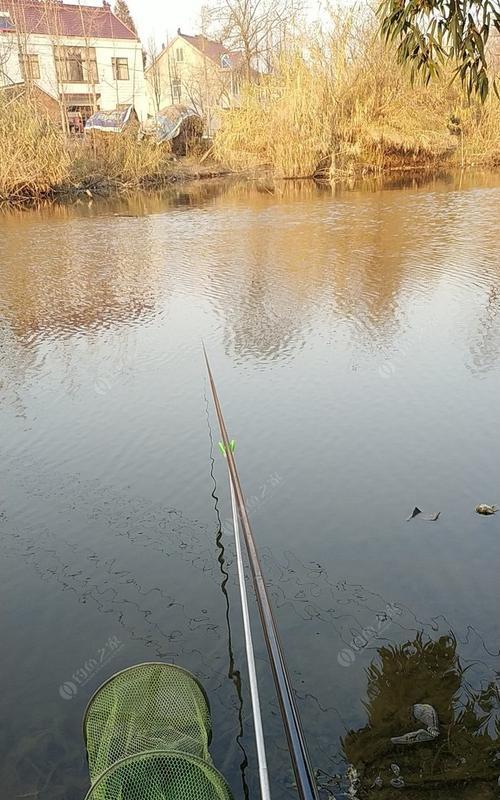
(278, 261)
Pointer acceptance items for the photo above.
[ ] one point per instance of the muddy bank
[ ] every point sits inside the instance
(102, 186)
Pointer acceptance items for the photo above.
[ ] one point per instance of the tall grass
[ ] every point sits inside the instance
(337, 103)
(38, 161)
(33, 156)
(110, 159)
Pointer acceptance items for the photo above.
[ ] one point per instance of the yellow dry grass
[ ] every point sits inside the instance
(39, 161)
(120, 159)
(34, 159)
(337, 104)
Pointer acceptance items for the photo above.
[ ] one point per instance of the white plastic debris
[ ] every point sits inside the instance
(425, 713)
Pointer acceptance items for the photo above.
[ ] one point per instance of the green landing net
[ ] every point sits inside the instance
(147, 732)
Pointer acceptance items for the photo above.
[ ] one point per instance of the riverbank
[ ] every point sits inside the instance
(240, 189)
(39, 162)
(399, 129)
(338, 104)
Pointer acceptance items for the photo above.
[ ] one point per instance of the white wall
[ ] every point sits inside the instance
(111, 92)
(9, 60)
(203, 84)
(163, 75)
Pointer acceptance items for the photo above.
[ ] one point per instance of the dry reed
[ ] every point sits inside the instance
(120, 160)
(34, 158)
(39, 161)
(337, 103)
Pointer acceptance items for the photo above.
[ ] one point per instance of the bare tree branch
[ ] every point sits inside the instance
(257, 28)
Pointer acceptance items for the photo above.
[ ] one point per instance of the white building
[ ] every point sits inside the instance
(195, 71)
(82, 56)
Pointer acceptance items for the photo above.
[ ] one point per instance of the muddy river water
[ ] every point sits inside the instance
(355, 339)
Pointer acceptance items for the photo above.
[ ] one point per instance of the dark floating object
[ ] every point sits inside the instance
(425, 713)
(429, 517)
(485, 509)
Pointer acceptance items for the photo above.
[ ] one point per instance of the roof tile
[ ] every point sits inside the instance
(63, 19)
(211, 49)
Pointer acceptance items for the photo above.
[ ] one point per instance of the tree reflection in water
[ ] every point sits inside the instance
(463, 762)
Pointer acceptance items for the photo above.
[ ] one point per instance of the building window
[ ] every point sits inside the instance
(176, 90)
(235, 84)
(120, 69)
(76, 64)
(179, 54)
(225, 61)
(30, 66)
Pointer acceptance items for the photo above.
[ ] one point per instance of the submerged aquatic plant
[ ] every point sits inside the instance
(423, 672)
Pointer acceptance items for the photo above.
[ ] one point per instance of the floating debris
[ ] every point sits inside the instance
(414, 737)
(377, 783)
(428, 516)
(397, 782)
(423, 712)
(353, 781)
(485, 509)
(324, 779)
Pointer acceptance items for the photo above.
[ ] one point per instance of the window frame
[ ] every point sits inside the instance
(179, 51)
(27, 62)
(176, 90)
(76, 64)
(235, 84)
(117, 67)
(9, 27)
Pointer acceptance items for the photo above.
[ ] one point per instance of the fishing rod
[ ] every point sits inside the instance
(304, 777)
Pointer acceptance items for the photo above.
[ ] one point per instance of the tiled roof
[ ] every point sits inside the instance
(212, 50)
(63, 19)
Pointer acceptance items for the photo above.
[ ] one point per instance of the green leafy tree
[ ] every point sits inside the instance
(122, 11)
(429, 33)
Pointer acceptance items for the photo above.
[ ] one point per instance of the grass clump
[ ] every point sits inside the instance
(35, 160)
(337, 103)
(39, 161)
(119, 161)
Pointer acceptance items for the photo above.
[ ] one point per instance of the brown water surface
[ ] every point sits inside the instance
(355, 338)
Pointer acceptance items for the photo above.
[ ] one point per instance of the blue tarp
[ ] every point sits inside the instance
(168, 123)
(111, 121)
(6, 23)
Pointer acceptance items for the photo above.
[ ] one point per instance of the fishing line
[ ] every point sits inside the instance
(252, 672)
(233, 673)
(306, 783)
